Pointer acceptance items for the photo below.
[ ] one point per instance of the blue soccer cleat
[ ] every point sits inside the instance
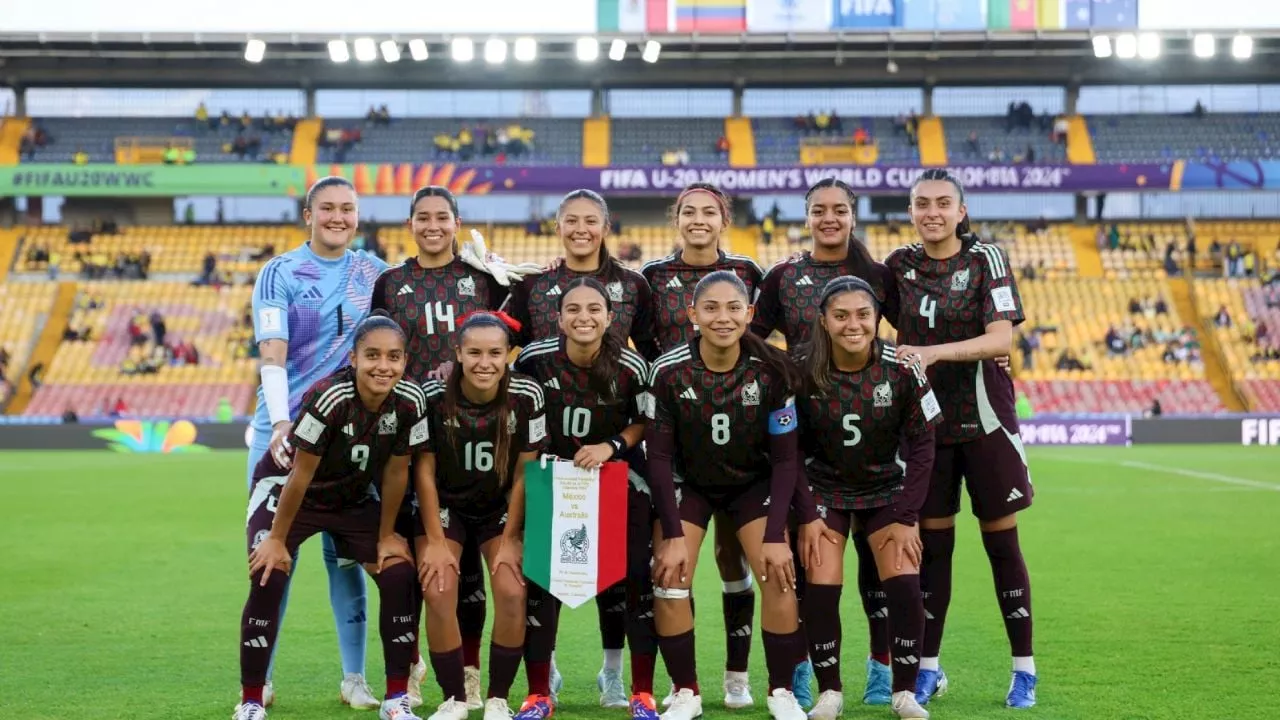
(643, 707)
(802, 683)
(535, 707)
(1022, 690)
(879, 683)
(930, 684)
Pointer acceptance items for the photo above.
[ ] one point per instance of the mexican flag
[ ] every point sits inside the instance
(575, 529)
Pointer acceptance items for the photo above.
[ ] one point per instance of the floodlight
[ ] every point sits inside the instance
(617, 49)
(418, 49)
(526, 49)
(366, 49)
(463, 50)
(1148, 46)
(1204, 45)
(338, 51)
(588, 49)
(254, 51)
(390, 51)
(1242, 47)
(1126, 46)
(1102, 46)
(652, 50)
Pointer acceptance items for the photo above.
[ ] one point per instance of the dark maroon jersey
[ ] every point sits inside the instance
(428, 304)
(353, 442)
(464, 444)
(671, 283)
(577, 414)
(946, 301)
(791, 293)
(535, 302)
(852, 433)
(721, 422)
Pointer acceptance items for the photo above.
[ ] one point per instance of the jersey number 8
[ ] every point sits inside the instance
(720, 428)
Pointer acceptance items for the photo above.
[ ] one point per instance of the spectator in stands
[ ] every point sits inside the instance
(466, 144)
(722, 147)
(1155, 411)
(1022, 406)
(1162, 307)
(1191, 252)
(1170, 262)
(975, 145)
(1113, 237)
(158, 327)
(1028, 343)
(119, 409)
(767, 227)
(69, 416)
(209, 268)
(1061, 127)
(837, 125)
(81, 157)
(202, 116)
(1234, 259)
(1068, 362)
(1199, 110)
(444, 145)
(996, 155)
(1135, 306)
(1223, 318)
(137, 331)
(1115, 342)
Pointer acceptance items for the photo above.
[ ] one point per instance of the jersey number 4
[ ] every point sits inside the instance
(929, 309)
(439, 312)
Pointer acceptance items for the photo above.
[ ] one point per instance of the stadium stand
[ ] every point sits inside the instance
(97, 137)
(25, 306)
(555, 141)
(1157, 138)
(639, 141)
(778, 140)
(1140, 247)
(1245, 317)
(103, 360)
(990, 136)
(171, 248)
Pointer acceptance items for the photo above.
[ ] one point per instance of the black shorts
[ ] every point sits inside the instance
(865, 521)
(994, 471)
(480, 529)
(698, 506)
(354, 530)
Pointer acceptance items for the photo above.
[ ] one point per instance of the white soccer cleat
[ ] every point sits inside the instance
(905, 706)
(497, 709)
(784, 706)
(450, 710)
(684, 706)
(829, 706)
(417, 673)
(471, 681)
(612, 694)
(356, 693)
(397, 708)
(737, 690)
(249, 711)
(268, 695)
(670, 698)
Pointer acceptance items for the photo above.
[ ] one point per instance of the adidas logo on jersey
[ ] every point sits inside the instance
(910, 274)
(553, 384)
(675, 283)
(1015, 494)
(688, 394)
(804, 281)
(313, 293)
(405, 290)
(553, 291)
(349, 430)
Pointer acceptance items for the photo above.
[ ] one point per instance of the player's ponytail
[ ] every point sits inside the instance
(815, 362)
(602, 377)
(609, 269)
(753, 344)
(501, 403)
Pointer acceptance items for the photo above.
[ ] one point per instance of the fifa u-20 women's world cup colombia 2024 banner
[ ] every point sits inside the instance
(575, 530)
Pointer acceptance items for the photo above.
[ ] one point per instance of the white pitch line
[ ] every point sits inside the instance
(1211, 477)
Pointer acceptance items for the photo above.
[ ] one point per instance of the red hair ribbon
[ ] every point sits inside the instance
(512, 324)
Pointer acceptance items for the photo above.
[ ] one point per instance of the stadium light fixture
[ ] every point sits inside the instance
(1102, 46)
(418, 49)
(1242, 47)
(462, 50)
(652, 50)
(588, 49)
(338, 51)
(617, 49)
(495, 51)
(390, 51)
(525, 50)
(255, 50)
(366, 49)
(1126, 46)
(1148, 46)
(1204, 45)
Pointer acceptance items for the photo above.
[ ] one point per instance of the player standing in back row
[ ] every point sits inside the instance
(959, 306)
(702, 216)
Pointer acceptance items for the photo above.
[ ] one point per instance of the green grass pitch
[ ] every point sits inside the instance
(1156, 595)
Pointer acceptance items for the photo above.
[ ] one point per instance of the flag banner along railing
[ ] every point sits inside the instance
(575, 530)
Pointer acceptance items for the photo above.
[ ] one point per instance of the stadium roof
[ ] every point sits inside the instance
(818, 60)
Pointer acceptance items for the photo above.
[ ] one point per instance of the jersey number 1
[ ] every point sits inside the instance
(441, 312)
(929, 309)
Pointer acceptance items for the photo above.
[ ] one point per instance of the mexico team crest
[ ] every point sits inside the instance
(444, 518)
(883, 395)
(960, 280)
(751, 393)
(467, 287)
(387, 424)
(615, 291)
(574, 545)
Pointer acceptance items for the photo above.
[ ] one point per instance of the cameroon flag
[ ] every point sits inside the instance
(575, 528)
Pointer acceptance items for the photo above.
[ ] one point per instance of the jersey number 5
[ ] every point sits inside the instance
(929, 309)
(440, 312)
(850, 423)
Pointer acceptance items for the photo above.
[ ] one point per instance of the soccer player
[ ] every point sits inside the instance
(866, 427)
(583, 223)
(723, 437)
(959, 305)
(788, 303)
(306, 304)
(355, 432)
(486, 423)
(429, 295)
(702, 216)
(596, 391)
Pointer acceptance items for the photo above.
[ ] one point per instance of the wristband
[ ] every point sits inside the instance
(275, 392)
(618, 444)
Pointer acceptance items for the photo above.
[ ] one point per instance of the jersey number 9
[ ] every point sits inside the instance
(850, 423)
(360, 456)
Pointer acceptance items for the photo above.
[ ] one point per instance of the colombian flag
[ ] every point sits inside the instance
(1012, 14)
(711, 16)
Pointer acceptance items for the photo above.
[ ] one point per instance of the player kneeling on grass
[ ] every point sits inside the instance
(862, 411)
(352, 443)
(486, 424)
(597, 396)
(723, 437)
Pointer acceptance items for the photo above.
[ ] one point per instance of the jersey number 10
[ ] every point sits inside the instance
(438, 312)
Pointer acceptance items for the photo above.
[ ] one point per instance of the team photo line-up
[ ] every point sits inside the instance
(393, 422)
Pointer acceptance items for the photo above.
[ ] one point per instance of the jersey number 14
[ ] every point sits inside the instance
(438, 312)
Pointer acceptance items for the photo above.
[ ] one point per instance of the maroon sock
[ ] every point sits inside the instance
(397, 618)
(251, 694)
(471, 650)
(682, 663)
(538, 673)
(504, 662)
(397, 686)
(471, 606)
(739, 615)
(611, 611)
(873, 602)
(449, 674)
(906, 622)
(259, 624)
(1013, 587)
(821, 609)
(935, 585)
(780, 657)
(642, 672)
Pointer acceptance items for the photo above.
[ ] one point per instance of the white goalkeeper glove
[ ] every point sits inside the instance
(476, 253)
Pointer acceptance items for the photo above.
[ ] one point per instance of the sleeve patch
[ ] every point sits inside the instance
(420, 432)
(1003, 299)
(647, 404)
(929, 404)
(783, 421)
(270, 320)
(537, 429)
(310, 428)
